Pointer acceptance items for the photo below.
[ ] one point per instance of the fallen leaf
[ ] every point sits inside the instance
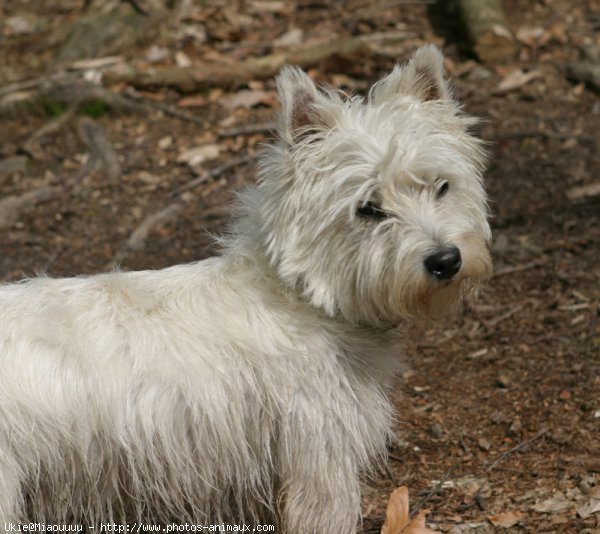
(592, 506)
(269, 6)
(559, 520)
(248, 99)
(397, 517)
(165, 142)
(156, 53)
(200, 154)
(515, 79)
(182, 59)
(192, 101)
(470, 485)
(565, 395)
(292, 37)
(556, 503)
(506, 519)
(582, 192)
(529, 35)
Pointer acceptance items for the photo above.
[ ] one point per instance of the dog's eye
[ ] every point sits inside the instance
(443, 189)
(371, 210)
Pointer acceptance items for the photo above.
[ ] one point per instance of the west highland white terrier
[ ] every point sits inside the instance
(251, 387)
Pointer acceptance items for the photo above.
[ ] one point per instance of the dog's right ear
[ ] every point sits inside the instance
(300, 113)
(422, 76)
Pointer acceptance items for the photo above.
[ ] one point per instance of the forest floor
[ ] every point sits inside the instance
(498, 423)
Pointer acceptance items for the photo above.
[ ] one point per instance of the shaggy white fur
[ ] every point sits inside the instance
(252, 386)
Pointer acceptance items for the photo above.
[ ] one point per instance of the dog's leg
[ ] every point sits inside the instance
(320, 486)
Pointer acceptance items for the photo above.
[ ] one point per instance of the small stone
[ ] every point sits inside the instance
(165, 142)
(515, 428)
(498, 417)
(483, 444)
(565, 395)
(560, 437)
(584, 486)
(436, 430)
(503, 381)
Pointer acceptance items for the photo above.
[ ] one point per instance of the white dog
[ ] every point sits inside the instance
(252, 386)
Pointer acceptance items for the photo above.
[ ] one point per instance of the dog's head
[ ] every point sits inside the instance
(374, 209)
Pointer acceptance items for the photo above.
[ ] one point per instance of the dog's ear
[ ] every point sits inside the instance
(422, 76)
(300, 113)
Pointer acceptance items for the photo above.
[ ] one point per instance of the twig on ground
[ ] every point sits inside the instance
(492, 323)
(31, 145)
(25, 85)
(166, 109)
(463, 445)
(102, 152)
(434, 490)
(516, 448)
(12, 206)
(500, 459)
(138, 7)
(518, 471)
(390, 475)
(518, 268)
(548, 337)
(215, 173)
(137, 240)
(201, 75)
(246, 129)
(547, 135)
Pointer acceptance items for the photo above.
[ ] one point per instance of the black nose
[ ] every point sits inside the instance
(444, 263)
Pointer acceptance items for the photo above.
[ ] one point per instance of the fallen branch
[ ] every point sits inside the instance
(63, 91)
(518, 268)
(200, 76)
(249, 129)
(547, 135)
(35, 83)
(102, 153)
(492, 323)
(137, 240)
(166, 109)
(13, 164)
(585, 71)
(31, 145)
(12, 206)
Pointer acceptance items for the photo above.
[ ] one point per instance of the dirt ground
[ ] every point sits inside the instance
(498, 425)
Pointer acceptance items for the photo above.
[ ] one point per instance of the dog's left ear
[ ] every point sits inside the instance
(422, 76)
(301, 114)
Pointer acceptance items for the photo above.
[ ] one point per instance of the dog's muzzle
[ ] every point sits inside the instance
(444, 263)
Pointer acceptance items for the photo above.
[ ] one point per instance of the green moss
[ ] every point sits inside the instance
(53, 108)
(94, 108)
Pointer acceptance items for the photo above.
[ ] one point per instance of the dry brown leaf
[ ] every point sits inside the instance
(592, 506)
(506, 519)
(585, 191)
(557, 503)
(197, 155)
(248, 99)
(192, 101)
(397, 518)
(516, 79)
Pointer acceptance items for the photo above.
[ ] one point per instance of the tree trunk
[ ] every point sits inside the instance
(485, 26)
